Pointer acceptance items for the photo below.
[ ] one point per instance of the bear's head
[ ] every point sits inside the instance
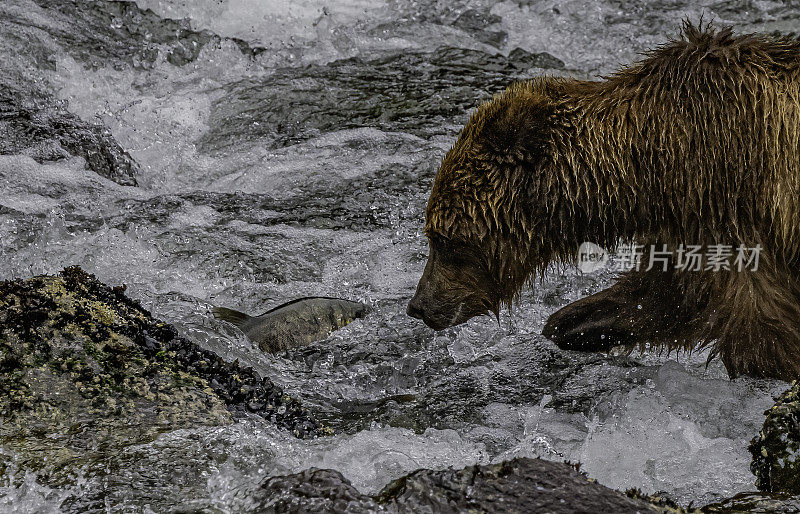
(480, 219)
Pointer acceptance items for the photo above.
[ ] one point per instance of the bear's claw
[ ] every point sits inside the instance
(585, 326)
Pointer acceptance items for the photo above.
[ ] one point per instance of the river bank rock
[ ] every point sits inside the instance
(519, 485)
(776, 449)
(85, 370)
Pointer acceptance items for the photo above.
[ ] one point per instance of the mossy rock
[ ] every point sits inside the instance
(776, 450)
(84, 371)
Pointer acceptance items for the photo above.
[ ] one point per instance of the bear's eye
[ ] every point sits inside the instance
(452, 252)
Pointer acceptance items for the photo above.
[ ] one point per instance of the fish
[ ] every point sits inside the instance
(294, 324)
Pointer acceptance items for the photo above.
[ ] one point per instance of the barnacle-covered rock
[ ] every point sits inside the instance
(776, 449)
(85, 370)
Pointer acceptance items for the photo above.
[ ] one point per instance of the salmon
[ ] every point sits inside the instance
(296, 323)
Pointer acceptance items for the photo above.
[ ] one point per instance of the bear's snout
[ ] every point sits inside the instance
(433, 315)
(415, 310)
(428, 314)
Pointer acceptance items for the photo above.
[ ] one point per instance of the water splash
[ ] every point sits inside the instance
(249, 212)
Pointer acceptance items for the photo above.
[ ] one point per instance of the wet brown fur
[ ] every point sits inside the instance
(699, 143)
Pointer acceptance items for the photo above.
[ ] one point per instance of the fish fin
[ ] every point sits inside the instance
(304, 298)
(296, 300)
(231, 316)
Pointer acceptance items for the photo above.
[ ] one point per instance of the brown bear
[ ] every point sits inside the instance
(697, 144)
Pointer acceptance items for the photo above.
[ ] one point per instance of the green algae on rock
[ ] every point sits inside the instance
(72, 326)
(84, 370)
(776, 449)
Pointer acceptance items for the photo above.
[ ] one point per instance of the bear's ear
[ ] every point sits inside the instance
(515, 125)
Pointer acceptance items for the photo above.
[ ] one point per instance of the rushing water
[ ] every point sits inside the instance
(304, 170)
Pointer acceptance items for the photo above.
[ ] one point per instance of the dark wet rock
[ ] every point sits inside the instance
(84, 371)
(34, 124)
(472, 19)
(477, 22)
(519, 485)
(312, 490)
(99, 33)
(776, 449)
(32, 121)
(416, 92)
(777, 503)
(366, 202)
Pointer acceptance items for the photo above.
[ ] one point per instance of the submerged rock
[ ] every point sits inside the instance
(84, 371)
(776, 450)
(477, 22)
(32, 121)
(416, 92)
(34, 124)
(519, 485)
(99, 32)
(312, 490)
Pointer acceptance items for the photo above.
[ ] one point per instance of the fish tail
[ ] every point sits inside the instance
(231, 316)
